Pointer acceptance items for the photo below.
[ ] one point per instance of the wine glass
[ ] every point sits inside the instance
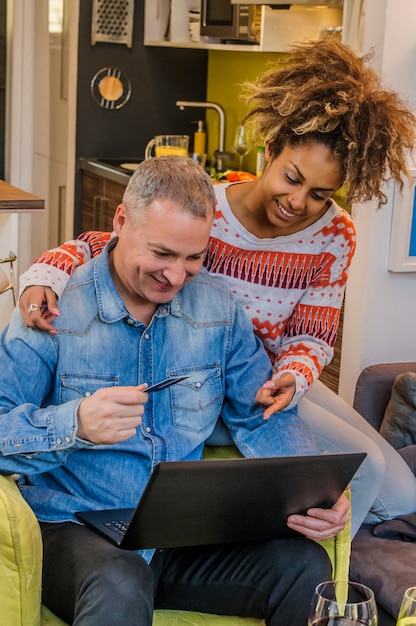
(407, 613)
(342, 603)
(241, 145)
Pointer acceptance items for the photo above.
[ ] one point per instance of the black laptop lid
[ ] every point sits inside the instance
(191, 503)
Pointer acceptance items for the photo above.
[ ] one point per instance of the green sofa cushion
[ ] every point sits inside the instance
(50, 619)
(167, 617)
(191, 618)
(20, 558)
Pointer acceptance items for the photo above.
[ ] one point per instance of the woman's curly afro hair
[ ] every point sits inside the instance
(324, 92)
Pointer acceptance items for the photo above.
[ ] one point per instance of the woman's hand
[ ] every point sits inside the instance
(42, 317)
(322, 523)
(276, 394)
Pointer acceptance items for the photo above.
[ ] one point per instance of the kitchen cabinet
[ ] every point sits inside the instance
(279, 28)
(100, 198)
(57, 200)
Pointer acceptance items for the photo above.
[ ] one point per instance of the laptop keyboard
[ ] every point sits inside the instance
(118, 526)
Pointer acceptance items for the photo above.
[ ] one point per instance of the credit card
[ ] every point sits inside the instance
(165, 383)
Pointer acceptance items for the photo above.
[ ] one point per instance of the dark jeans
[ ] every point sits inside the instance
(88, 581)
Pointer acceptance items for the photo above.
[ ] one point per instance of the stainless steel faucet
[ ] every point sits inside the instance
(182, 104)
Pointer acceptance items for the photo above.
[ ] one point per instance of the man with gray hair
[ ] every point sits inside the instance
(78, 426)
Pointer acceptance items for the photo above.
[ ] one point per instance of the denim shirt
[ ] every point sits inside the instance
(203, 333)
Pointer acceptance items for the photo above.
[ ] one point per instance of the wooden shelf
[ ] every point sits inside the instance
(202, 45)
(167, 26)
(15, 200)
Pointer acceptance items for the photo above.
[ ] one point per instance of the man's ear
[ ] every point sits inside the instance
(119, 218)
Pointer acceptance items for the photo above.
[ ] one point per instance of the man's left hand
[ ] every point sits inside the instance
(322, 523)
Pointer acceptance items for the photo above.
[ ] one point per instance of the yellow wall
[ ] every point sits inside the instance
(226, 72)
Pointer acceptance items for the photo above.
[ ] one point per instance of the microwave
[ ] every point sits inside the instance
(230, 22)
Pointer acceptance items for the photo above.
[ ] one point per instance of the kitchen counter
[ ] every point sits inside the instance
(109, 168)
(15, 200)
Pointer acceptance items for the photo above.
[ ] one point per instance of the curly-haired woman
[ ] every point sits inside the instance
(284, 246)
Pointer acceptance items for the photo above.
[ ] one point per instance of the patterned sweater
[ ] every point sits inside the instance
(292, 287)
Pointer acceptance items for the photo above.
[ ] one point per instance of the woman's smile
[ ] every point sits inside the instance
(285, 212)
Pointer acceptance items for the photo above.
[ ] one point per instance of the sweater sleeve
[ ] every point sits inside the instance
(310, 333)
(54, 267)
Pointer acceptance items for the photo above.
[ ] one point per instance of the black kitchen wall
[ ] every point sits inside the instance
(158, 76)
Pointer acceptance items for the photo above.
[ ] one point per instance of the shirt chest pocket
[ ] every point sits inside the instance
(197, 401)
(76, 386)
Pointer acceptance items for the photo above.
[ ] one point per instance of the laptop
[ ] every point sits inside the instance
(189, 503)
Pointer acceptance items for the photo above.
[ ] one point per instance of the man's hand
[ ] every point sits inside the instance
(111, 414)
(45, 299)
(276, 394)
(322, 523)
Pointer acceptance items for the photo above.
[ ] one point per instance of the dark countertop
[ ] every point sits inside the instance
(109, 168)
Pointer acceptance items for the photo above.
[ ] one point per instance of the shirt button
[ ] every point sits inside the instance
(67, 439)
(197, 385)
(148, 429)
(146, 336)
(87, 394)
(130, 321)
(163, 311)
(58, 441)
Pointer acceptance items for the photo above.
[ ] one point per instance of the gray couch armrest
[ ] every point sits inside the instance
(373, 389)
